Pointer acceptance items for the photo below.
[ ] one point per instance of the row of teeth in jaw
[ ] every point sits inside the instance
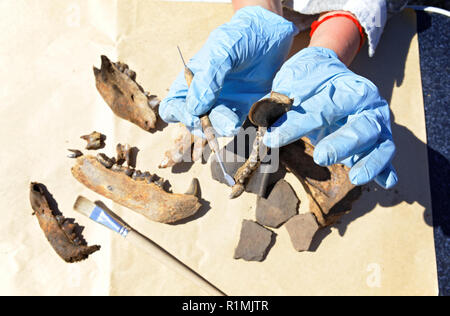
(123, 68)
(153, 100)
(137, 175)
(69, 228)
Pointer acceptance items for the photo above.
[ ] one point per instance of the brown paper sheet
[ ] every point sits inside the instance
(48, 99)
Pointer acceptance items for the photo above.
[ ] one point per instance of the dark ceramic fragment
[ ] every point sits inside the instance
(301, 229)
(254, 243)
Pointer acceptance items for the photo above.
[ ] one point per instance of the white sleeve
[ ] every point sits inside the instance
(372, 14)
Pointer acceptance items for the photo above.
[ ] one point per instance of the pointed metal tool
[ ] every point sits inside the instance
(208, 129)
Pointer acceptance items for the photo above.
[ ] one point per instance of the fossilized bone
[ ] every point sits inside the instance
(127, 99)
(184, 144)
(250, 166)
(139, 191)
(59, 231)
(94, 140)
(329, 189)
(263, 114)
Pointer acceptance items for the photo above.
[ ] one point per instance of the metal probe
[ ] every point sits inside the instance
(207, 127)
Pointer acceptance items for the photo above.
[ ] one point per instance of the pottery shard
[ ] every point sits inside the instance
(254, 242)
(280, 206)
(301, 229)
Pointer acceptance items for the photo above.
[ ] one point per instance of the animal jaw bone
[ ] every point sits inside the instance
(329, 189)
(250, 166)
(58, 230)
(263, 114)
(141, 192)
(117, 85)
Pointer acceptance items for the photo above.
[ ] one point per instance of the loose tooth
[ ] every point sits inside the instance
(94, 140)
(75, 153)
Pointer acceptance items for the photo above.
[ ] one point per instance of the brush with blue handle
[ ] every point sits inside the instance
(110, 220)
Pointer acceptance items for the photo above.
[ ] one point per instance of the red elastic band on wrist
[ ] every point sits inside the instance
(316, 24)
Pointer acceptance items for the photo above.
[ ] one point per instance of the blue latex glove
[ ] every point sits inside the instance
(234, 69)
(340, 112)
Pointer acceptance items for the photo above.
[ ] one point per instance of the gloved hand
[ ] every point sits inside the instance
(234, 69)
(340, 112)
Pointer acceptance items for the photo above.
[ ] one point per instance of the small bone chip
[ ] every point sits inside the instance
(301, 229)
(254, 243)
(280, 206)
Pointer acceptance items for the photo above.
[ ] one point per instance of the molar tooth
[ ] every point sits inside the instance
(160, 182)
(123, 154)
(136, 174)
(117, 168)
(94, 140)
(151, 179)
(147, 176)
(105, 161)
(129, 172)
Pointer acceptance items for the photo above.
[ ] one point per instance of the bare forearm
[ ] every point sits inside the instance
(340, 35)
(271, 5)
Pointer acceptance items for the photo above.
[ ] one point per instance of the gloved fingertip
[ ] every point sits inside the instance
(272, 140)
(173, 111)
(193, 105)
(164, 111)
(359, 176)
(388, 178)
(225, 121)
(325, 155)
